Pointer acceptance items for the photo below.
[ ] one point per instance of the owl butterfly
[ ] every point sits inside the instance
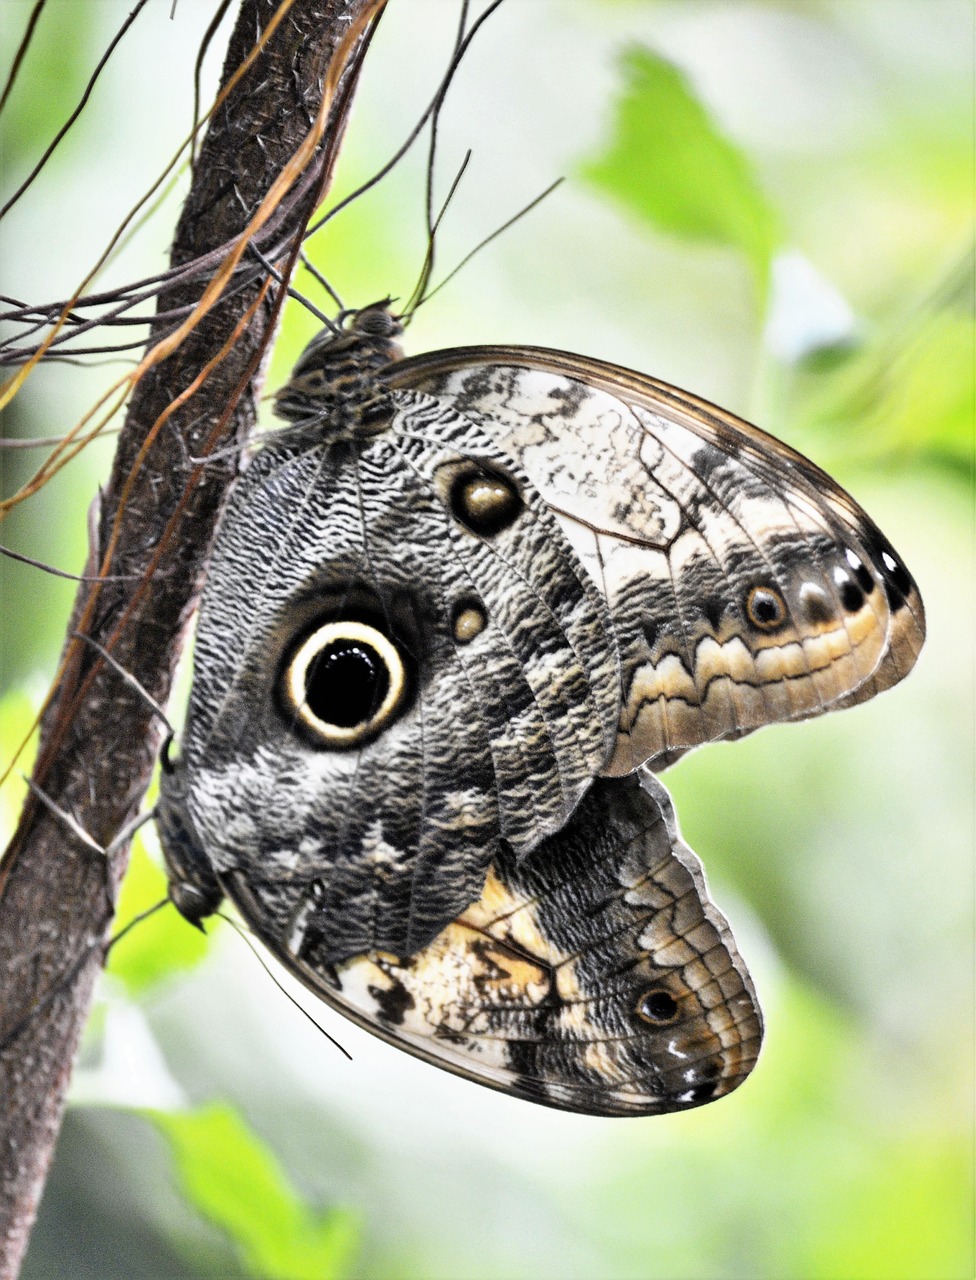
(451, 594)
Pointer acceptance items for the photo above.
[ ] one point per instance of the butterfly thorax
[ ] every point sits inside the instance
(334, 388)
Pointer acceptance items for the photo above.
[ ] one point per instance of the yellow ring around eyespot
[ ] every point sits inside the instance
(776, 597)
(297, 670)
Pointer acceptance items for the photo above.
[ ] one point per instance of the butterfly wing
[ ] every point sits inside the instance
(398, 665)
(593, 975)
(745, 585)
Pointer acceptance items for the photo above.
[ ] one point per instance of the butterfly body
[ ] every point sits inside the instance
(448, 596)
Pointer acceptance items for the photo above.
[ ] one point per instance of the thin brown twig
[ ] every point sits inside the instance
(82, 103)
(21, 53)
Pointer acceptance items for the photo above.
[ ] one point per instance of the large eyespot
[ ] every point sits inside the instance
(484, 501)
(765, 608)
(657, 1006)
(344, 683)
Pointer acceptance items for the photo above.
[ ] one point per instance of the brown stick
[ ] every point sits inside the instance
(99, 737)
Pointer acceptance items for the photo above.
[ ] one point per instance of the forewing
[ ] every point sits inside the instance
(593, 975)
(746, 587)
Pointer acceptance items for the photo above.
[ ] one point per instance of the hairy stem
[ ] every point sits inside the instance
(99, 736)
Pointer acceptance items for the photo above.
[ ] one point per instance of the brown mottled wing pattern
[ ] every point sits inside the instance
(593, 975)
(746, 587)
(504, 720)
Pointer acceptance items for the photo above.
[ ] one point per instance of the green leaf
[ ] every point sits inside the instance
(17, 718)
(669, 164)
(65, 47)
(235, 1183)
(904, 397)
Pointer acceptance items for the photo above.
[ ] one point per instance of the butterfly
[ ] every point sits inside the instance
(459, 612)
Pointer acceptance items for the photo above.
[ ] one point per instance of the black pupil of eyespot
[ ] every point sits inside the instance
(484, 502)
(659, 1006)
(765, 607)
(346, 683)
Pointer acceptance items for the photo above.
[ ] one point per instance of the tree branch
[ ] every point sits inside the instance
(99, 737)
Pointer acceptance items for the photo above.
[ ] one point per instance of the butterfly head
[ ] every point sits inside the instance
(193, 886)
(334, 385)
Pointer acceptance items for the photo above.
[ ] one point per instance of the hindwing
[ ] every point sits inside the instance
(417, 569)
(593, 975)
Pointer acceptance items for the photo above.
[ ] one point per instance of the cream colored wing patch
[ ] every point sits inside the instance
(595, 976)
(745, 586)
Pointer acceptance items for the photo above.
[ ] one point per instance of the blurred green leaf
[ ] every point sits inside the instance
(160, 945)
(234, 1182)
(907, 399)
(61, 56)
(908, 1220)
(669, 164)
(795, 1175)
(17, 715)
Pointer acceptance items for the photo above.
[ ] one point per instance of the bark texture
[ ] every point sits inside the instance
(99, 737)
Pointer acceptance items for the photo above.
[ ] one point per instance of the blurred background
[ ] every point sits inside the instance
(768, 203)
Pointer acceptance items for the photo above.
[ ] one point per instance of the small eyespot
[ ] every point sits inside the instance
(484, 502)
(469, 621)
(702, 1092)
(818, 607)
(657, 1006)
(344, 683)
(863, 574)
(896, 574)
(765, 608)
(851, 597)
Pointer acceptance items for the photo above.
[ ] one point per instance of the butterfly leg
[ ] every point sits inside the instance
(105, 852)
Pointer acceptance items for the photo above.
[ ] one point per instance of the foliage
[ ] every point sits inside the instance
(224, 1171)
(702, 186)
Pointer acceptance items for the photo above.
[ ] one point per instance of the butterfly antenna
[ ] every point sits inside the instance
(432, 151)
(317, 275)
(417, 293)
(460, 50)
(489, 238)
(281, 987)
(291, 291)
